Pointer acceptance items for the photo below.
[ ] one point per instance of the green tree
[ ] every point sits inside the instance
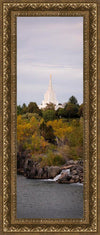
(33, 108)
(71, 110)
(19, 110)
(47, 132)
(60, 112)
(73, 100)
(24, 108)
(49, 115)
(50, 106)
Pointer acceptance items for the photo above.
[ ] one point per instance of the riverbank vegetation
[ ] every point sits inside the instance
(50, 136)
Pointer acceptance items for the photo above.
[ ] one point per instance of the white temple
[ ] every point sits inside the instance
(49, 96)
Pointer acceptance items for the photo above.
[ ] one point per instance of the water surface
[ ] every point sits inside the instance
(47, 199)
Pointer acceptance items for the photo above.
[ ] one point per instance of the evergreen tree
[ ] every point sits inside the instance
(73, 100)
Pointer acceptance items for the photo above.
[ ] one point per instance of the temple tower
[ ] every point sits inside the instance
(49, 96)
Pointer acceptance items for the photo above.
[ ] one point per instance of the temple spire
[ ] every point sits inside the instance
(50, 81)
(49, 96)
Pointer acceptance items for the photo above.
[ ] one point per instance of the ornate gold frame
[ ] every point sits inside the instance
(10, 10)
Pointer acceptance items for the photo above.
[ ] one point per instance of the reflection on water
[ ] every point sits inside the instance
(47, 199)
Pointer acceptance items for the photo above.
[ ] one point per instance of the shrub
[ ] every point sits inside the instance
(49, 115)
(52, 159)
(76, 153)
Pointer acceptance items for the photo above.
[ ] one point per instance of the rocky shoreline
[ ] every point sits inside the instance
(71, 172)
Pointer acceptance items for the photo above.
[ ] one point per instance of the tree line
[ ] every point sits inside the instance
(71, 110)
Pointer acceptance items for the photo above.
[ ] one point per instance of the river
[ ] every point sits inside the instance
(47, 199)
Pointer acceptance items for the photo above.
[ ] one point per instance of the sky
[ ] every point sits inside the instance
(49, 45)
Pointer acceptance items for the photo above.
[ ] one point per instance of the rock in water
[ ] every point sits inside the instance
(53, 171)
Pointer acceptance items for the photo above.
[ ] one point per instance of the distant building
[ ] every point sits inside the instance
(49, 96)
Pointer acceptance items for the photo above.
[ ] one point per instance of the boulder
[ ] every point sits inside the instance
(45, 175)
(31, 173)
(75, 178)
(53, 171)
(63, 175)
(80, 168)
(74, 172)
(81, 180)
(70, 162)
(66, 179)
(40, 173)
(28, 164)
(71, 181)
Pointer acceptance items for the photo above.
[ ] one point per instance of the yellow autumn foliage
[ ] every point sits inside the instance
(69, 136)
(61, 129)
(28, 134)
